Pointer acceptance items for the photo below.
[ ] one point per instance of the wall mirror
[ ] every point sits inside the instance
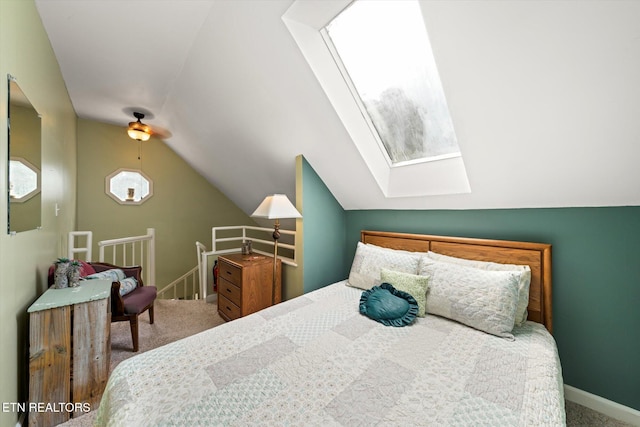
(24, 162)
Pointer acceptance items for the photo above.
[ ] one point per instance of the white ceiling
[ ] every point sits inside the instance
(544, 95)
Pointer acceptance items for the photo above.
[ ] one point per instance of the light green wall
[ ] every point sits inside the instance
(595, 280)
(25, 53)
(183, 208)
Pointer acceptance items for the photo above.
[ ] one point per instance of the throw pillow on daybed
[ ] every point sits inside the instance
(388, 306)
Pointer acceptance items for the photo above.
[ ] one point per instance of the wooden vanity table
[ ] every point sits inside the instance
(69, 350)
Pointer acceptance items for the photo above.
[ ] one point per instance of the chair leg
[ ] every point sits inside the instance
(151, 314)
(134, 332)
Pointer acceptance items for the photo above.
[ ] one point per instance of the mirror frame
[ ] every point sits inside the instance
(17, 97)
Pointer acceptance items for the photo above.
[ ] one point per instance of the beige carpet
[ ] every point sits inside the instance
(175, 319)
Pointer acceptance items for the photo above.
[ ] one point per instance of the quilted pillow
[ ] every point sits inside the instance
(388, 306)
(484, 300)
(115, 275)
(523, 283)
(127, 285)
(370, 259)
(413, 284)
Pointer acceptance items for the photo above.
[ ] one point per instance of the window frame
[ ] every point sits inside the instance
(115, 173)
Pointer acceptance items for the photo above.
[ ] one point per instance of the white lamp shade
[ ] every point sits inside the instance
(277, 206)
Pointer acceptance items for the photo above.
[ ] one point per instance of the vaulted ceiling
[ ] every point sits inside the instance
(544, 95)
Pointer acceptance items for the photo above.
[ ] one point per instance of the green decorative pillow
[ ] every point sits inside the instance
(387, 305)
(414, 285)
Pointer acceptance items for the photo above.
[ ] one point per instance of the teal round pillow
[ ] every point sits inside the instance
(389, 306)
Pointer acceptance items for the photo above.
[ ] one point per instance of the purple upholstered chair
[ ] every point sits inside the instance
(131, 305)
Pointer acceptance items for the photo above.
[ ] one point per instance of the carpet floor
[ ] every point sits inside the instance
(176, 319)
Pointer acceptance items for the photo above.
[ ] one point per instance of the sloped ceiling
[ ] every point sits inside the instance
(544, 95)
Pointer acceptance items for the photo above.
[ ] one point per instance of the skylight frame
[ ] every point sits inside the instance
(354, 92)
(334, 50)
(443, 175)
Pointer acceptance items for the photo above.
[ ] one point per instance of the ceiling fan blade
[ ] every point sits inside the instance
(143, 115)
(160, 132)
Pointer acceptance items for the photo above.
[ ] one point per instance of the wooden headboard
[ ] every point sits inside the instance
(536, 255)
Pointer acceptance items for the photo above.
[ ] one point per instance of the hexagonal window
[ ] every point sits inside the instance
(129, 186)
(24, 180)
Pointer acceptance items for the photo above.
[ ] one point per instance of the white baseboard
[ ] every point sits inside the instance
(602, 405)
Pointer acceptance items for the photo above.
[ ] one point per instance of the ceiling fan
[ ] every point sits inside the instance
(142, 132)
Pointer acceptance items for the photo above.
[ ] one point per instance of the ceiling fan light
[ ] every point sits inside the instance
(139, 131)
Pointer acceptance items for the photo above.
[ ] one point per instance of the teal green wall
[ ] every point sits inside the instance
(596, 285)
(324, 225)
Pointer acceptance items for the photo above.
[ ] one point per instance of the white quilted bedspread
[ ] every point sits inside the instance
(315, 361)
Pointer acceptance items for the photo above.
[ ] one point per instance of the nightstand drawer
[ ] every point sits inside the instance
(230, 291)
(231, 273)
(227, 308)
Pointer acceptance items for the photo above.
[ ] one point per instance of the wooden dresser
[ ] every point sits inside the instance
(69, 351)
(244, 284)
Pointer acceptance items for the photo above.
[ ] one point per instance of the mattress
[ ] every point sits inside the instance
(315, 360)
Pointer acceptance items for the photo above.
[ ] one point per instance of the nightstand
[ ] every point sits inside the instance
(244, 284)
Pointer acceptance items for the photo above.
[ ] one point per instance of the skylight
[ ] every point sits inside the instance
(409, 144)
(384, 54)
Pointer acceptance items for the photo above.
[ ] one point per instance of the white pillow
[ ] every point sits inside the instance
(370, 259)
(484, 300)
(523, 283)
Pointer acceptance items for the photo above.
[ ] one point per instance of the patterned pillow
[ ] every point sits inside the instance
(127, 285)
(115, 275)
(413, 284)
(484, 300)
(370, 259)
(388, 306)
(523, 283)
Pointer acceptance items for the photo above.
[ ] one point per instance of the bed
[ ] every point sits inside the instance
(316, 360)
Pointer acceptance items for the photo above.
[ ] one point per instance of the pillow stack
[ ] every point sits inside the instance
(487, 296)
